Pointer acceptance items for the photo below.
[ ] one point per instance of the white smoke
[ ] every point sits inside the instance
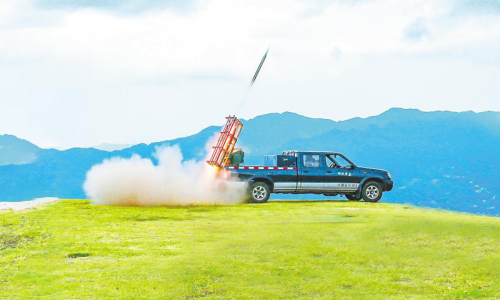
(139, 182)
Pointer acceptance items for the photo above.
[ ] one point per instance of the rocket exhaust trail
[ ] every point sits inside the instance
(252, 82)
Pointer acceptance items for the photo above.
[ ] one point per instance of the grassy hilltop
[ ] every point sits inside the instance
(280, 250)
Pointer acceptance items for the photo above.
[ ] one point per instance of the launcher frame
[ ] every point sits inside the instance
(225, 144)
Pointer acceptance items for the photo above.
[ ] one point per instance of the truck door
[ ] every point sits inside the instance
(311, 173)
(340, 176)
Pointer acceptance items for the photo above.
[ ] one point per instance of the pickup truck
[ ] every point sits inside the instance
(300, 172)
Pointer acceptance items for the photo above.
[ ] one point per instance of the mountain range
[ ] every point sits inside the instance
(438, 159)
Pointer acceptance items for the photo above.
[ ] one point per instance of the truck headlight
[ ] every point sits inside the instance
(389, 175)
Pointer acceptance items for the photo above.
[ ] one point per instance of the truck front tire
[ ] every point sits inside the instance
(259, 192)
(372, 191)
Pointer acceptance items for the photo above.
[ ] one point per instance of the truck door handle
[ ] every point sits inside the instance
(328, 172)
(306, 171)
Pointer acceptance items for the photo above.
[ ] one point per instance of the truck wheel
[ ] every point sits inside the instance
(372, 191)
(352, 197)
(259, 192)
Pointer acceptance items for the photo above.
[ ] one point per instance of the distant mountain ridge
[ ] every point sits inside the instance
(16, 151)
(438, 159)
(111, 147)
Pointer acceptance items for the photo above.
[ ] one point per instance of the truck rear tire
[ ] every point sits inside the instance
(259, 192)
(372, 191)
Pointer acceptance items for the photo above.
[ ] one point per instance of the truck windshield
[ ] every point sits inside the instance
(337, 161)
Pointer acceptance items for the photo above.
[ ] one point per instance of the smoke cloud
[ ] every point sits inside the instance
(139, 182)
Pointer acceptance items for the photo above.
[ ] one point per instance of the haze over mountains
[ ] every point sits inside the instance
(438, 159)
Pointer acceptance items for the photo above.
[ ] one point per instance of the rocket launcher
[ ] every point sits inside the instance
(224, 153)
(223, 150)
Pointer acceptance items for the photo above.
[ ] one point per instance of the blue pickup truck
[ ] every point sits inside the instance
(301, 172)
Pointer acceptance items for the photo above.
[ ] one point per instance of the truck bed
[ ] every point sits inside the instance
(280, 179)
(261, 168)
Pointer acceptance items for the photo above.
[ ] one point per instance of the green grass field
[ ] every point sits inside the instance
(280, 250)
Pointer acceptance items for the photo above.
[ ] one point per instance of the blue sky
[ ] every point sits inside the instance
(143, 71)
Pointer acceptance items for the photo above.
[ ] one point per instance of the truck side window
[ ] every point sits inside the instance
(311, 160)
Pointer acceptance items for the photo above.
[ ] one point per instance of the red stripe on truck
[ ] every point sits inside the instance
(263, 168)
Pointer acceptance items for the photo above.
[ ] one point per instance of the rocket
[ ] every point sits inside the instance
(258, 69)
